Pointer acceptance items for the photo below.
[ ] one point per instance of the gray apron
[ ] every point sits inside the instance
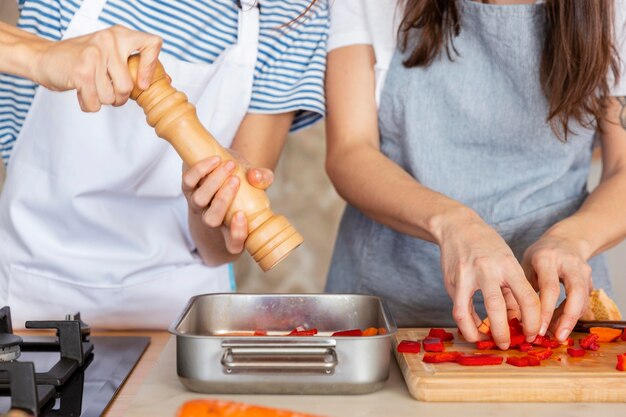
(475, 130)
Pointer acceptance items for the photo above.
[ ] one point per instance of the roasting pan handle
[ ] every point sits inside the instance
(277, 358)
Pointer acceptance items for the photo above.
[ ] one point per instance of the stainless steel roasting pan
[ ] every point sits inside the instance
(217, 353)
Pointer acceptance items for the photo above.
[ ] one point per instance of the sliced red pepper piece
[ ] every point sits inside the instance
(441, 334)
(569, 342)
(486, 345)
(624, 335)
(525, 347)
(300, 331)
(440, 357)
(541, 354)
(479, 360)
(621, 362)
(575, 352)
(433, 344)
(260, 332)
(353, 332)
(521, 361)
(539, 340)
(515, 327)
(590, 342)
(550, 344)
(516, 340)
(409, 346)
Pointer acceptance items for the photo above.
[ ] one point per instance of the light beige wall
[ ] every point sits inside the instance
(8, 10)
(302, 193)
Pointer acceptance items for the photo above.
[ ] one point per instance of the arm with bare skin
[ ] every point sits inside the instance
(473, 256)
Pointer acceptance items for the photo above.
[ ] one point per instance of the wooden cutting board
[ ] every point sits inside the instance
(592, 378)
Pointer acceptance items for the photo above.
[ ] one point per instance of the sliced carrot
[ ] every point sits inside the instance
(382, 330)
(370, 331)
(606, 334)
(217, 408)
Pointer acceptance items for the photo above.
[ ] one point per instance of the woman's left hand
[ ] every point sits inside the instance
(548, 262)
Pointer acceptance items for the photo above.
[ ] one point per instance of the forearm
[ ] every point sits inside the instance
(259, 141)
(18, 50)
(209, 241)
(385, 192)
(600, 223)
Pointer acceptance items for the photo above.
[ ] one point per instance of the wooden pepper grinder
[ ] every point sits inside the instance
(270, 237)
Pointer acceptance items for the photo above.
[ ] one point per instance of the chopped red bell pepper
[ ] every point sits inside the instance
(486, 344)
(590, 342)
(260, 332)
(539, 340)
(575, 352)
(440, 357)
(516, 340)
(515, 327)
(552, 344)
(541, 354)
(433, 344)
(624, 335)
(525, 347)
(441, 334)
(522, 361)
(409, 346)
(569, 342)
(301, 331)
(621, 362)
(479, 360)
(353, 332)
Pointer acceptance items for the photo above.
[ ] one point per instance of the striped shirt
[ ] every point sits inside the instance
(289, 74)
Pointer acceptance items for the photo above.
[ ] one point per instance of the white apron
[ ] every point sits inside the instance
(92, 217)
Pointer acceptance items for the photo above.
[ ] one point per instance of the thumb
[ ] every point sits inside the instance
(260, 178)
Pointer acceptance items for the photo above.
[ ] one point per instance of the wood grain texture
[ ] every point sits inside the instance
(592, 378)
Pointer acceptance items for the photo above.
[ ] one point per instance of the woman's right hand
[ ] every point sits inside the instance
(95, 65)
(475, 257)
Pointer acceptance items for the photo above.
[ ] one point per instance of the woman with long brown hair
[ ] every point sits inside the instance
(461, 132)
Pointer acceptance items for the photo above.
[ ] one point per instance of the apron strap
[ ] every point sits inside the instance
(92, 8)
(248, 33)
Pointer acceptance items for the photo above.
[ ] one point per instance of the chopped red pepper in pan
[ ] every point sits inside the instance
(433, 344)
(479, 360)
(576, 352)
(441, 334)
(590, 342)
(409, 346)
(440, 357)
(301, 331)
(621, 362)
(353, 332)
(370, 331)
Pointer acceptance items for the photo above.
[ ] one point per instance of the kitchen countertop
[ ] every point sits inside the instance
(153, 390)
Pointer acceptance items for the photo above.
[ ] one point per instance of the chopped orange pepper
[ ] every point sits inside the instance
(217, 408)
(370, 331)
(382, 330)
(606, 334)
(484, 327)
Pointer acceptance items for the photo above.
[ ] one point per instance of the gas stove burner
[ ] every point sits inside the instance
(9, 347)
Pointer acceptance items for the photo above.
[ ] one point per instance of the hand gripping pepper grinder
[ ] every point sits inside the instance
(270, 237)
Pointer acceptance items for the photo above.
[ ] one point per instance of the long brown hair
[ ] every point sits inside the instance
(578, 54)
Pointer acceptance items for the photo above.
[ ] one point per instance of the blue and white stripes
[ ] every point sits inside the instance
(290, 67)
